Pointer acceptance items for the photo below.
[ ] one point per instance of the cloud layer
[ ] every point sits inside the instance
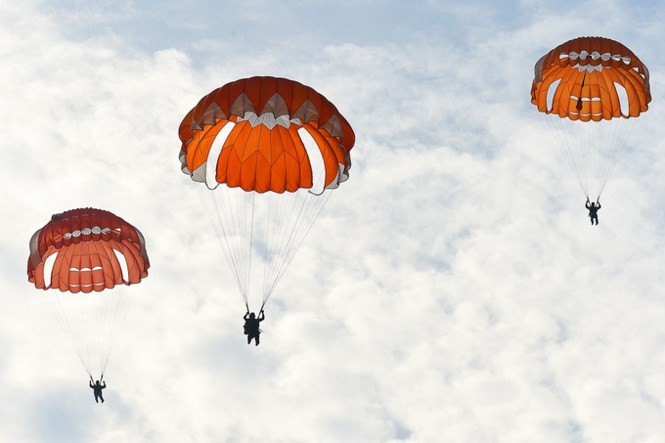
(452, 290)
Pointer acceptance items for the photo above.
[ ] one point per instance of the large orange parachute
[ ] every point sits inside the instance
(85, 253)
(276, 147)
(590, 76)
(249, 134)
(586, 84)
(87, 250)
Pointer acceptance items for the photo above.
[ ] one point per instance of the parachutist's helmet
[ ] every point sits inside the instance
(252, 315)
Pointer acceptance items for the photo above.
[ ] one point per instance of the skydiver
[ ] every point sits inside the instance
(97, 389)
(593, 210)
(252, 326)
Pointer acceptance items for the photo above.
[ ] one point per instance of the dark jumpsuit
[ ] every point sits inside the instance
(97, 389)
(252, 326)
(593, 212)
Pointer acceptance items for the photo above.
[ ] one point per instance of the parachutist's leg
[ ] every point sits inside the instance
(96, 398)
(256, 339)
(101, 398)
(249, 338)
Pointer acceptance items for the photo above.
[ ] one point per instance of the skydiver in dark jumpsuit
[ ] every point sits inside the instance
(593, 210)
(252, 326)
(97, 389)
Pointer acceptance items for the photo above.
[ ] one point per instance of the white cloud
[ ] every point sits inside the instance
(452, 290)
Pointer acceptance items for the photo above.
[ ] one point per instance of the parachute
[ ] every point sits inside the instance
(269, 150)
(596, 87)
(85, 253)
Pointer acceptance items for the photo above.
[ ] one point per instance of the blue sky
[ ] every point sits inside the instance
(451, 291)
(183, 25)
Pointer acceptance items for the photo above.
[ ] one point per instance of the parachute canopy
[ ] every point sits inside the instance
(591, 78)
(84, 250)
(253, 133)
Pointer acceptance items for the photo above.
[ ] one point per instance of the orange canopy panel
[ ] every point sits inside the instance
(250, 134)
(85, 250)
(591, 79)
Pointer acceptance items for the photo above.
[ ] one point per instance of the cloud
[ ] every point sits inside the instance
(452, 290)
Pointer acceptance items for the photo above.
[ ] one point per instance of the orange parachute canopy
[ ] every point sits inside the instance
(591, 78)
(85, 250)
(249, 134)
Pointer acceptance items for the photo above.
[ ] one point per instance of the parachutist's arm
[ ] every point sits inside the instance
(90, 383)
(262, 315)
(104, 385)
(246, 316)
(587, 205)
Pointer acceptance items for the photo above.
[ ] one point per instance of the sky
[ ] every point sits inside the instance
(452, 290)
